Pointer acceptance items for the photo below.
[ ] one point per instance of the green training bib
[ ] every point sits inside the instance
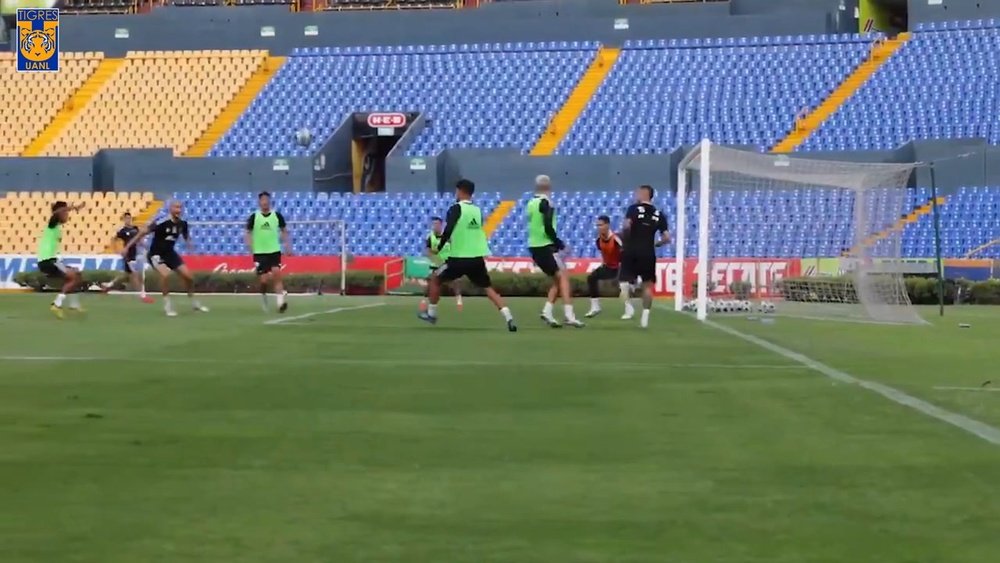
(266, 234)
(536, 224)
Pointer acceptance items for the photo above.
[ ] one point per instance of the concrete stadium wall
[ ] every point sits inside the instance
(923, 11)
(153, 170)
(240, 28)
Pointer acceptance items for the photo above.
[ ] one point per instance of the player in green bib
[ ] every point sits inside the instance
(266, 234)
(546, 248)
(464, 235)
(438, 258)
(48, 258)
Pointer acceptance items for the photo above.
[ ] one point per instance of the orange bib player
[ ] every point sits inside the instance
(610, 247)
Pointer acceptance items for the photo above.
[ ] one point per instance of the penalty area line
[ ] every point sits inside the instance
(970, 389)
(292, 319)
(962, 422)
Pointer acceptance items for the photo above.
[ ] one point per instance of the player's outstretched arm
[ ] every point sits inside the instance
(451, 220)
(664, 231)
(286, 237)
(143, 231)
(188, 241)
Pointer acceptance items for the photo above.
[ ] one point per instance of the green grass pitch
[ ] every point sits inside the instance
(366, 436)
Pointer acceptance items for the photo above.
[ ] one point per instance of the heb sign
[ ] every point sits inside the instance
(394, 120)
(13, 264)
(760, 272)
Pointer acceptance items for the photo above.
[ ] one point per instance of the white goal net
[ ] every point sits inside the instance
(793, 236)
(319, 250)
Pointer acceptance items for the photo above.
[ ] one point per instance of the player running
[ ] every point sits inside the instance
(132, 268)
(464, 232)
(265, 236)
(49, 263)
(610, 246)
(163, 257)
(545, 246)
(438, 258)
(642, 221)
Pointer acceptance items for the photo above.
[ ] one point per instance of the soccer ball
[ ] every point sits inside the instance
(745, 306)
(766, 307)
(304, 137)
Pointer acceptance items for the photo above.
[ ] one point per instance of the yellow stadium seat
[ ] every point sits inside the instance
(158, 99)
(88, 231)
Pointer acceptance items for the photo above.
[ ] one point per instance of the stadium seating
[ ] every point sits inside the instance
(940, 85)
(158, 99)
(746, 91)
(378, 224)
(98, 6)
(29, 100)
(88, 231)
(478, 96)
(796, 223)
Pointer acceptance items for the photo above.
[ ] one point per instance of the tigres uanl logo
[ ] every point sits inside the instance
(37, 39)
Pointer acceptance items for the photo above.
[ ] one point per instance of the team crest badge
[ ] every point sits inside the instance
(37, 39)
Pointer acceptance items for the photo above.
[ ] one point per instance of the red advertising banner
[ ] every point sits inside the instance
(761, 273)
(289, 264)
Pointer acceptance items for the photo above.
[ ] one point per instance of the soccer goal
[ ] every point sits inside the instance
(772, 233)
(320, 246)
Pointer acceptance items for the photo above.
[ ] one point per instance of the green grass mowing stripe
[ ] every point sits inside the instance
(418, 362)
(972, 426)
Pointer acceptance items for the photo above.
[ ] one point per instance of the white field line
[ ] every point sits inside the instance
(595, 366)
(972, 426)
(971, 389)
(283, 320)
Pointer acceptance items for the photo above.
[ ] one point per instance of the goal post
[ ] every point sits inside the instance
(321, 241)
(797, 236)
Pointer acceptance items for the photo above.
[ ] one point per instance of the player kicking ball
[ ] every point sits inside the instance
(642, 222)
(545, 248)
(131, 267)
(610, 247)
(163, 257)
(265, 236)
(464, 231)
(50, 265)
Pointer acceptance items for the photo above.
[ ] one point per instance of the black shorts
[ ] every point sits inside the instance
(264, 263)
(52, 268)
(472, 268)
(127, 264)
(547, 259)
(171, 260)
(603, 272)
(638, 266)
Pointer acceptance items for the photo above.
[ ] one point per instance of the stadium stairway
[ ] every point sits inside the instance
(496, 218)
(74, 106)
(908, 219)
(269, 66)
(563, 120)
(880, 52)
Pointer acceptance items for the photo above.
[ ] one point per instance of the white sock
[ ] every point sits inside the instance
(625, 291)
(547, 309)
(644, 320)
(506, 314)
(59, 300)
(142, 294)
(458, 298)
(263, 299)
(166, 303)
(432, 309)
(194, 301)
(281, 298)
(74, 301)
(568, 311)
(595, 304)
(629, 308)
